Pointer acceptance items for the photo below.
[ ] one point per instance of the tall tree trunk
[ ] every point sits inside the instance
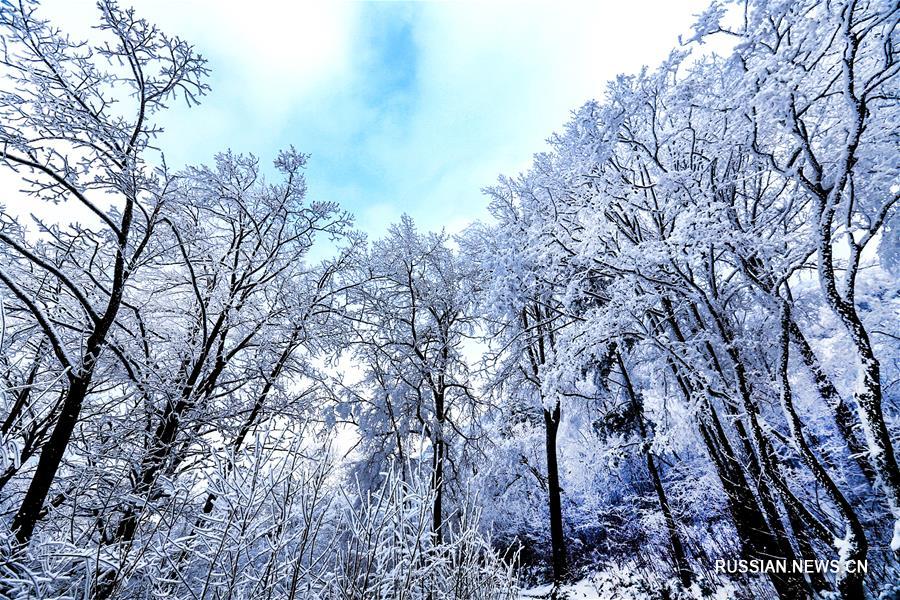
(755, 530)
(51, 457)
(79, 384)
(757, 272)
(152, 465)
(437, 484)
(758, 527)
(678, 554)
(685, 574)
(192, 387)
(854, 546)
(753, 460)
(437, 475)
(751, 521)
(868, 393)
(843, 416)
(771, 473)
(557, 537)
(761, 458)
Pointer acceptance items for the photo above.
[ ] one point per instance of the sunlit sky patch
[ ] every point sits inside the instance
(404, 107)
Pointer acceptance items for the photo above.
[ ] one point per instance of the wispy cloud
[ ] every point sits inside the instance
(405, 107)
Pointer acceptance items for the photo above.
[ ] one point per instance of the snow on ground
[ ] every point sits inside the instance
(624, 584)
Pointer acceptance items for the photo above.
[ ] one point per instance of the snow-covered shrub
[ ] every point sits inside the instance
(388, 548)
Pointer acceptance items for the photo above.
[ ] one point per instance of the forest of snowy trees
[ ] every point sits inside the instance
(673, 344)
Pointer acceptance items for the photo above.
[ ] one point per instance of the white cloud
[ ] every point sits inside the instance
(270, 50)
(494, 80)
(266, 57)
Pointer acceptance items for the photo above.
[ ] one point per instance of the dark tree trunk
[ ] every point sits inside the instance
(868, 394)
(437, 483)
(678, 554)
(755, 524)
(437, 474)
(843, 415)
(192, 386)
(850, 584)
(79, 384)
(754, 531)
(51, 457)
(152, 465)
(756, 458)
(557, 537)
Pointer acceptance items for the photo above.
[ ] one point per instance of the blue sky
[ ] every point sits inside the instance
(404, 107)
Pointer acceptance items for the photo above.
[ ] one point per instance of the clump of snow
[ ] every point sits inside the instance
(844, 548)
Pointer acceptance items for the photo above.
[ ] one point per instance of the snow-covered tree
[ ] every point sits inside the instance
(73, 138)
(412, 316)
